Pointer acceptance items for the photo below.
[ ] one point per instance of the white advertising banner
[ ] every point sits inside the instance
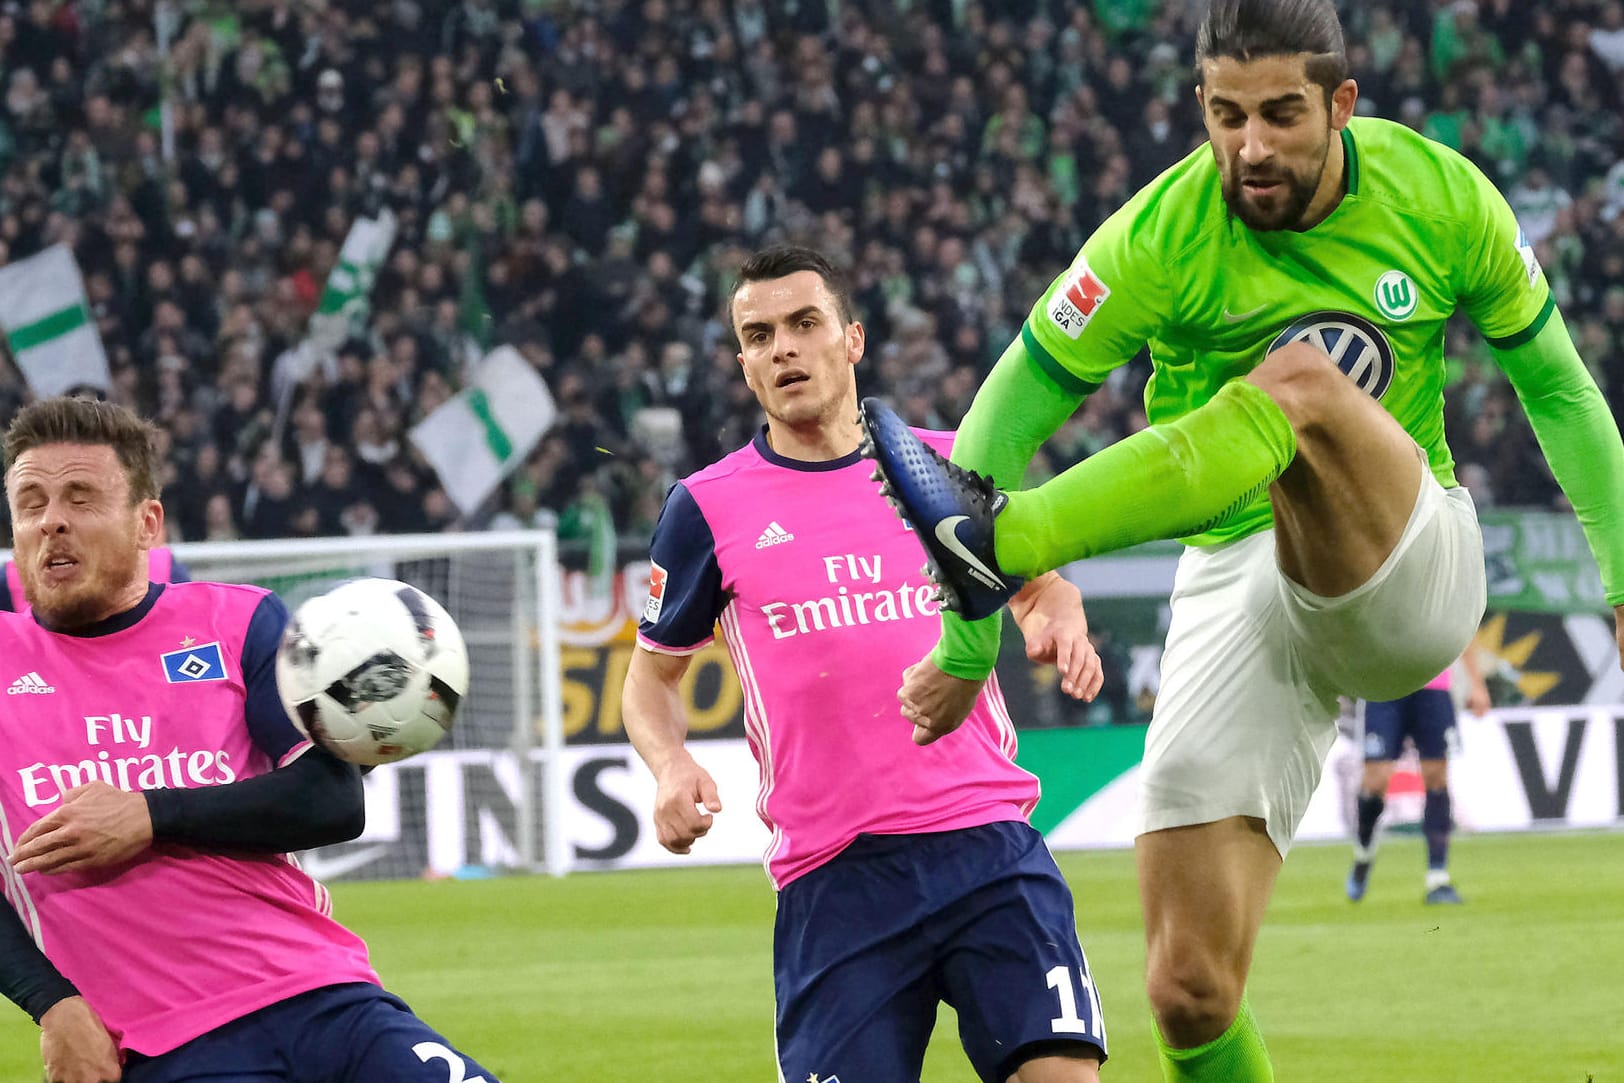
(1518, 768)
(440, 814)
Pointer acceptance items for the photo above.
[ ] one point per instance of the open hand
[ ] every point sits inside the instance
(98, 825)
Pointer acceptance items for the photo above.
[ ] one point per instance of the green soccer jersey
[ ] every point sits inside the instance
(1420, 233)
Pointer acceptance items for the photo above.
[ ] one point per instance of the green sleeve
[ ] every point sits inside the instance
(1018, 407)
(1500, 285)
(1577, 433)
(1095, 316)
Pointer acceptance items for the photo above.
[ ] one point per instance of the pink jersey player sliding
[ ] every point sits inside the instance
(151, 789)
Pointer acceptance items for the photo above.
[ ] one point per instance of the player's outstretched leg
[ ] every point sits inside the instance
(1170, 480)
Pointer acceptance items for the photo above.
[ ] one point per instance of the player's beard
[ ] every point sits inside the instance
(85, 600)
(1289, 208)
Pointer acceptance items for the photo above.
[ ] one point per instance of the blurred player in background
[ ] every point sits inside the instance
(1292, 280)
(1427, 718)
(154, 786)
(906, 877)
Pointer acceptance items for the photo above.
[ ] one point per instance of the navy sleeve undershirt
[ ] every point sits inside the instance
(27, 977)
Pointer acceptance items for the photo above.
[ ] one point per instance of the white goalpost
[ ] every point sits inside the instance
(490, 797)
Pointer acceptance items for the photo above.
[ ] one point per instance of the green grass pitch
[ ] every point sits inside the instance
(664, 975)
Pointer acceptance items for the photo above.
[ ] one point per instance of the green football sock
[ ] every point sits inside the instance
(1168, 481)
(1235, 1056)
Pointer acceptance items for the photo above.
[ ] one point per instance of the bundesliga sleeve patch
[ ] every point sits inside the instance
(1075, 300)
(656, 593)
(1530, 260)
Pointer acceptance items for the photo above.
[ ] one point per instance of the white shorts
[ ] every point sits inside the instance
(1254, 664)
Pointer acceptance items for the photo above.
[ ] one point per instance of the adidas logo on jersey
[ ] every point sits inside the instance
(30, 684)
(773, 535)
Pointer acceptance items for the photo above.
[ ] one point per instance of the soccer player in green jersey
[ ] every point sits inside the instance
(1292, 280)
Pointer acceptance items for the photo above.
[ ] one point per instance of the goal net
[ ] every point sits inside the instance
(470, 806)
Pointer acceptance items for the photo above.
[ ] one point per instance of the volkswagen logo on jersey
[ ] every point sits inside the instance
(1356, 345)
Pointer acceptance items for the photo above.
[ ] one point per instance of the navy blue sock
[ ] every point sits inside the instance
(1370, 810)
(1435, 824)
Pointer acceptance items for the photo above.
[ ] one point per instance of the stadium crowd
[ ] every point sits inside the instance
(578, 177)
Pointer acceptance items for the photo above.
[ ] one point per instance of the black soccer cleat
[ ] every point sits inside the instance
(1444, 895)
(951, 509)
(1358, 880)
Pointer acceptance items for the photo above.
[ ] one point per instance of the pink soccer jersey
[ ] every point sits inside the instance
(1444, 680)
(178, 941)
(822, 603)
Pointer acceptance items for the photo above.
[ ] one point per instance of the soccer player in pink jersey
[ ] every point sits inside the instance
(1427, 718)
(906, 875)
(154, 787)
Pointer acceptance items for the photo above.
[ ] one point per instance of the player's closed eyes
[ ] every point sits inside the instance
(1273, 120)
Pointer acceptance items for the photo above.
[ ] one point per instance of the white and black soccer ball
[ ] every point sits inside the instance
(373, 670)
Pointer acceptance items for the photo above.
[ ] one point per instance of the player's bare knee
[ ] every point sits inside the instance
(1194, 1000)
(1303, 382)
(1377, 775)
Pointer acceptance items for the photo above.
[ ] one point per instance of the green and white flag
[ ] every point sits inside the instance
(476, 439)
(46, 317)
(346, 298)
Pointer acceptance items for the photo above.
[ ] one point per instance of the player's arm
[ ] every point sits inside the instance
(27, 978)
(1506, 295)
(1478, 700)
(311, 800)
(657, 724)
(685, 598)
(1049, 612)
(1089, 322)
(1018, 407)
(74, 1043)
(1580, 439)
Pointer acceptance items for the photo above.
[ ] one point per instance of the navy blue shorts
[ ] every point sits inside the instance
(1426, 717)
(352, 1033)
(866, 946)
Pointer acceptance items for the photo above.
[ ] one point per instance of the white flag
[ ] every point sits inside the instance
(476, 439)
(46, 317)
(346, 298)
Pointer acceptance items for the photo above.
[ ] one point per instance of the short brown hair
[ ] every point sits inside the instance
(68, 420)
(783, 260)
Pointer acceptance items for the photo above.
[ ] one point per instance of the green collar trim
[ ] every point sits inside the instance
(1350, 162)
